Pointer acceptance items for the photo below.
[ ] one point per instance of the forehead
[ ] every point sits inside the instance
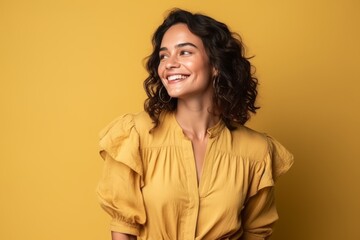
(180, 33)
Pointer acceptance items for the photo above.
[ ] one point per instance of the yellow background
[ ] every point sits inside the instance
(67, 68)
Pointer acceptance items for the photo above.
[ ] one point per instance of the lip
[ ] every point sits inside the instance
(176, 77)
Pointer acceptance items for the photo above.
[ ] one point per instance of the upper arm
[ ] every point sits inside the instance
(259, 215)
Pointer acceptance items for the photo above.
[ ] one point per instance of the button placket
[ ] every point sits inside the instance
(193, 210)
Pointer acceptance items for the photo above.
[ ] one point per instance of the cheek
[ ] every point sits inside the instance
(160, 69)
(192, 66)
(200, 65)
(204, 69)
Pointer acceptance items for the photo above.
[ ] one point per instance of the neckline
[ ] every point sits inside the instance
(212, 131)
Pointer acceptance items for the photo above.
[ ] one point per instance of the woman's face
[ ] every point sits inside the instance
(184, 66)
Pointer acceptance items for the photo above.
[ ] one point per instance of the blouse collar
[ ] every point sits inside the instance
(212, 131)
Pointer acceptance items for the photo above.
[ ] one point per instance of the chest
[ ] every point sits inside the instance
(172, 181)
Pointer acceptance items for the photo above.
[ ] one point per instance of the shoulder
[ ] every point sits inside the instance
(123, 130)
(261, 147)
(125, 123)
(250, 142)
(120, 140)
(142, 122)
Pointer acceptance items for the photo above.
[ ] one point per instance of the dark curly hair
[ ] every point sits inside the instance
(235, 87)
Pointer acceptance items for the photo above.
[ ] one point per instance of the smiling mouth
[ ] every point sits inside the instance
(177, 77)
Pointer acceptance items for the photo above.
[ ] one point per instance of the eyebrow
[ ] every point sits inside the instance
(180, 45)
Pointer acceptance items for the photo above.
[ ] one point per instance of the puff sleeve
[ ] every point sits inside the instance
(119, 189)
(259, 213)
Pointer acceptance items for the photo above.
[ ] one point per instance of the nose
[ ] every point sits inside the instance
(172, 62)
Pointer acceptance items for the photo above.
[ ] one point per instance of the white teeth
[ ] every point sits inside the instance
(176, 77)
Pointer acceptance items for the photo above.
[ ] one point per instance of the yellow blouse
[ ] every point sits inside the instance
(150, 187)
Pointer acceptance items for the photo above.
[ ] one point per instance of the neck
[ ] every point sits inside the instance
(195, 119)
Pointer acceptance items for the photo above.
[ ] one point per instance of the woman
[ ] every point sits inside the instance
(187, 167)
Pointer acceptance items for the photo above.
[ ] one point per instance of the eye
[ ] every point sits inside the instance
(163, 56)
(185, 53)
